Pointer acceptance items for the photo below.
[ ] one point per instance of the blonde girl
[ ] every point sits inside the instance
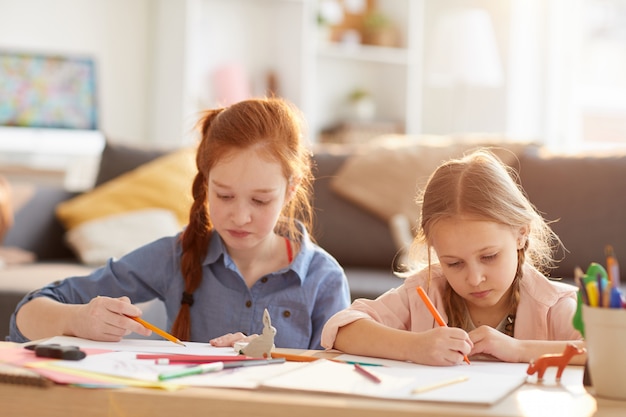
(487, 247)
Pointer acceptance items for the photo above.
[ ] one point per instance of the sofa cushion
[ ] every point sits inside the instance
(6, 207)
(113, 236)
(385, 177)
(355, 237)
(117, 159)
(36, 229)
(164, 182)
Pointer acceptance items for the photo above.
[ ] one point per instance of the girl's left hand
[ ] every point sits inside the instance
(489, 341)
(229, 340)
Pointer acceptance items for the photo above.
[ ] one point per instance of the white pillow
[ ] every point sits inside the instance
(95, 241)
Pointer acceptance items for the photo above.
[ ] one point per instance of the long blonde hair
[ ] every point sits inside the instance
(273, 125)
(480, 185)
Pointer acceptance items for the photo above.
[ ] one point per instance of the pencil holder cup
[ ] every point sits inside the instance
(605, 336)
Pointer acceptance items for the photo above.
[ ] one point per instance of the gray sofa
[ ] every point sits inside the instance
(586, 193)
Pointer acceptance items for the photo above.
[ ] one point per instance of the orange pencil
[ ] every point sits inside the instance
(158, 331)
(612, 267)
(293, 357)
(434, 312)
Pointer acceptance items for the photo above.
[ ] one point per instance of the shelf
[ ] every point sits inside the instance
(368, 53)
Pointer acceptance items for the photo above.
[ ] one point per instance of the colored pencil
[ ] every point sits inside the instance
(290, 357)
(578, 279)
(612, 267)
(294, 358)
(173, 358)
(215, 367)
(435, 313)
(440, 384)
(158, 331)
(367, 374)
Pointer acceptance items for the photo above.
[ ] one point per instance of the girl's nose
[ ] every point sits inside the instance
(475, 276)
(241, 214)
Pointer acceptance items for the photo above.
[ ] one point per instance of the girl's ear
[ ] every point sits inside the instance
(294, 183)
(522, 237)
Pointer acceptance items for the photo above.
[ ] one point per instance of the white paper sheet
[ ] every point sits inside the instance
(398, 382)
(124, 364)
(487, 382)
(119, 364)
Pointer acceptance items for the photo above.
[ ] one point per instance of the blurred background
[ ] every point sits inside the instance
(553, 71)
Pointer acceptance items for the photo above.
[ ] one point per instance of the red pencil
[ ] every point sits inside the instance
(173, 358)
(435, 313)
(367, 374)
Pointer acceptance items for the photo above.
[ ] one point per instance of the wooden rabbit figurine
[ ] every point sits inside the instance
(261, 346)
(559, 360)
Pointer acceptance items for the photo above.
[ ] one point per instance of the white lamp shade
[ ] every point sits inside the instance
(464, 51)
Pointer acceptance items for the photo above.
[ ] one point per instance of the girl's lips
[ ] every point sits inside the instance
(238, 233)
(480, 294)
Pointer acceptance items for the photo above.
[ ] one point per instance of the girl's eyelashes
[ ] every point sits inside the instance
(484, 258)
(455, 264)
(256, 201)
(491, 257)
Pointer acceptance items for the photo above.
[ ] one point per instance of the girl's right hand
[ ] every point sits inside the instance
(441, 346)
(107, 319)
(229, 339)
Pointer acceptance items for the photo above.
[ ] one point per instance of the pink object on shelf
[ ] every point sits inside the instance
(231, 84)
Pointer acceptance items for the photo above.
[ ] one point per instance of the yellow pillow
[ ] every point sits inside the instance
(162, 183)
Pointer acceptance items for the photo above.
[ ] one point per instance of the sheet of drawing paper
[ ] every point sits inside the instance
(398, 382)
(125, 365)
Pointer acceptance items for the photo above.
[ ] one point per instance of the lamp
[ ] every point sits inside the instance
(464, 54)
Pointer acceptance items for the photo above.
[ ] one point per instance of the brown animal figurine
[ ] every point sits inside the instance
(559, 360)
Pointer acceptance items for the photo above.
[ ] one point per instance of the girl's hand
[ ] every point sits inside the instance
(105, 319)
(229, 340)
(442, 346)
(489, 341)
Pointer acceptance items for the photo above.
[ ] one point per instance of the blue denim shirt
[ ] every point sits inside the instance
(299, 298)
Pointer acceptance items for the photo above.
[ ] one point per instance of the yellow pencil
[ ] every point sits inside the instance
(440, 384)
(158, 331)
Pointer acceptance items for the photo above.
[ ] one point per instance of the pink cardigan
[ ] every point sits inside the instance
(545, 310)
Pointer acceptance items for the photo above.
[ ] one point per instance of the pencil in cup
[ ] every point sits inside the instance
(435, 313)
(158, 331)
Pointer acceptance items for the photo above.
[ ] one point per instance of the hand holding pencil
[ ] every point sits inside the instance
(435, 313)
(103, 318)
(158, 331)
(144, 323)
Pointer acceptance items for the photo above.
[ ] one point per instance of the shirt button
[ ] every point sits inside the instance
(264, 280)
(248, 303)
(286, 313)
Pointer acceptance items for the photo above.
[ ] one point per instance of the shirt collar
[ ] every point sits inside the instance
(299, 265)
